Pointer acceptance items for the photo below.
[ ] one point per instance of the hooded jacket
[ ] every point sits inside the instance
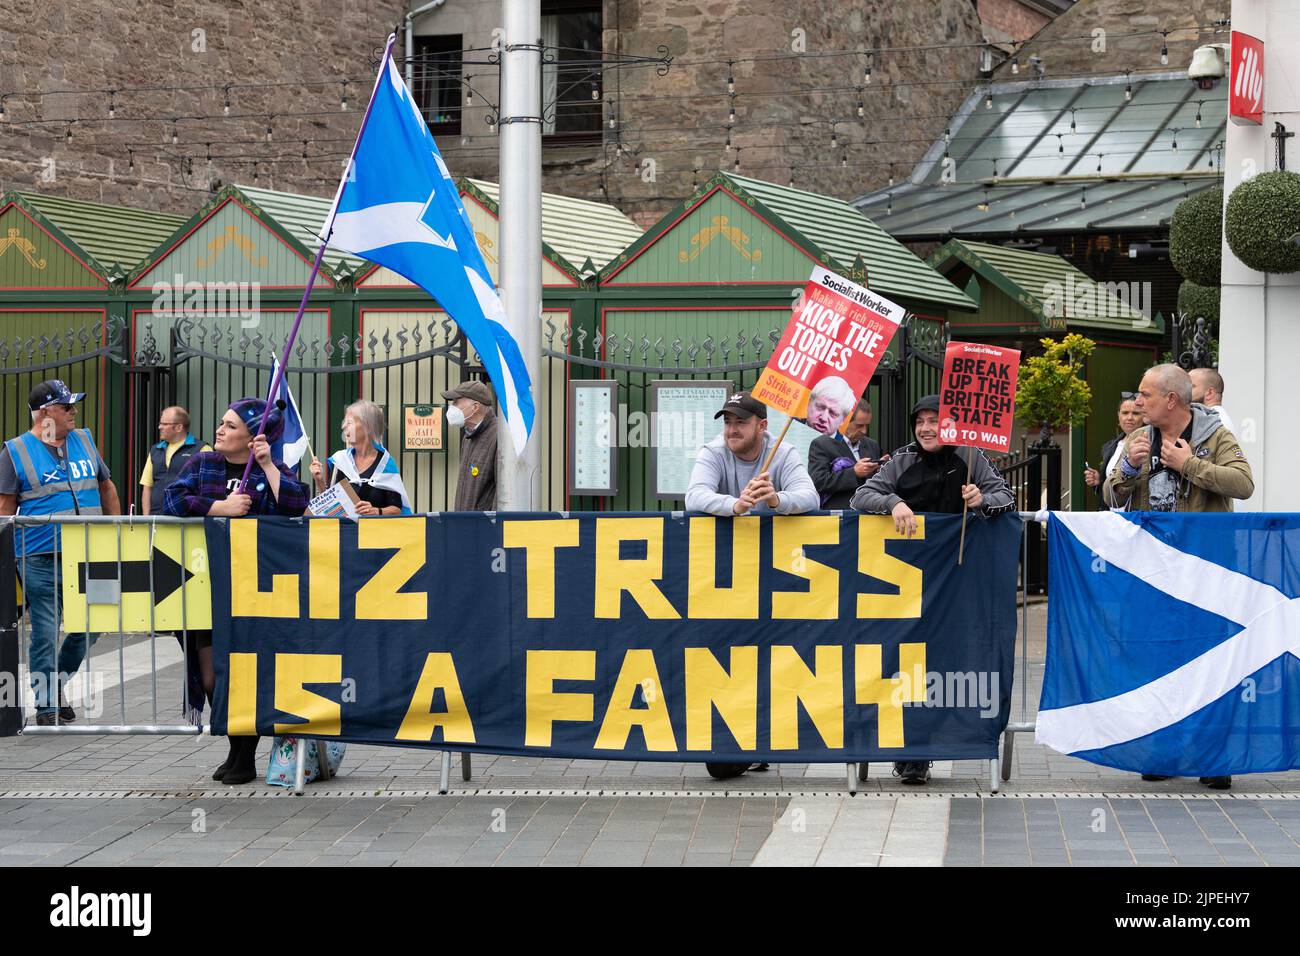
(880, 493)
(1216, 473)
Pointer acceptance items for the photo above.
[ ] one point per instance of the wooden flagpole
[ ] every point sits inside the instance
(970, 463)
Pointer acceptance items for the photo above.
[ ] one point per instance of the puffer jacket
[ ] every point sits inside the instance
(1216, 473)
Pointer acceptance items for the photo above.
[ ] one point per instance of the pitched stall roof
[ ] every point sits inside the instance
(827, 230)
(302, 217)
(111, 239)
(1048, 286)
(573, 229)
(1037, 176)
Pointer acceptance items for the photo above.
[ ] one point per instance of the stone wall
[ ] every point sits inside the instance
(1187, 22)
(61, 45)
(1010, 19)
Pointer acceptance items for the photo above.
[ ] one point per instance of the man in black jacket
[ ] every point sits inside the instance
(840, 463)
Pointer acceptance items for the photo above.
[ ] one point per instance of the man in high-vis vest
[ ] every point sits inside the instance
(54, 469)
(176, 446)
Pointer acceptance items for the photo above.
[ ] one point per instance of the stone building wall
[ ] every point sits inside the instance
(63, 45)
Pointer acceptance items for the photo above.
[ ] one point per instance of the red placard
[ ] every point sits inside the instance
(1246, 75)
(977, 395)
(836, 337)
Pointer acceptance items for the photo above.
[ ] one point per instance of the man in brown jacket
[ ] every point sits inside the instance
(471, 409)
(1183, 459)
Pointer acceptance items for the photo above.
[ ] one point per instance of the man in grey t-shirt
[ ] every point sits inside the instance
(726, 481)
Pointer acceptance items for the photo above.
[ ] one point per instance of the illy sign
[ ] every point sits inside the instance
(1246, 95)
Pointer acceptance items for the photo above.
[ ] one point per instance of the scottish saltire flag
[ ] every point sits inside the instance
(385, 474)
(293, 444)
(399, 207)
(1172, 642)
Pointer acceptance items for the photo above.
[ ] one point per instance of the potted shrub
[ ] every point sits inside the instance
(1051, 392)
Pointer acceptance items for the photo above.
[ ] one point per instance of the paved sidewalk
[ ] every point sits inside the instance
(149, 800)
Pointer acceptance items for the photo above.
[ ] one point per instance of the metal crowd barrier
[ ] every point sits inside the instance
(855, 772)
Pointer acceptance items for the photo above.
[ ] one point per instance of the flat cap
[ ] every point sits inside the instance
(473, 389)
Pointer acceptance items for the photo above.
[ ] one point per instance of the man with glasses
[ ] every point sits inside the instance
(176, 446)
(53, 469)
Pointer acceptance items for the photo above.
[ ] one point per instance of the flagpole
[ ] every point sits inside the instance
(519, 477)
(324, 234)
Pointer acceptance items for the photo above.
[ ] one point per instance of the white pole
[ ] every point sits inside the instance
(519, 478)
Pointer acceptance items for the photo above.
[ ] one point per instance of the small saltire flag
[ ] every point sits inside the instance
(293, 444)
(399, 207)
(1172, 642)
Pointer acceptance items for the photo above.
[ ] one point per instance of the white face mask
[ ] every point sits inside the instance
(455, 417)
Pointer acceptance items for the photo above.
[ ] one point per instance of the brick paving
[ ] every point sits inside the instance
(149, 801)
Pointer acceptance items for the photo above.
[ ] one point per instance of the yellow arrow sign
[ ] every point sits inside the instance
(157, 579)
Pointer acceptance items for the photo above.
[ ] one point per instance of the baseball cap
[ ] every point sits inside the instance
(52, 392)
(742, 405)
(473, 389)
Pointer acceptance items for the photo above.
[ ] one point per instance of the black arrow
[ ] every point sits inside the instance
(168, 576)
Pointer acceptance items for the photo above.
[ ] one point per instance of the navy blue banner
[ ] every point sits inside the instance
(810, 638)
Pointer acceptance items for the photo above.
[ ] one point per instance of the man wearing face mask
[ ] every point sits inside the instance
(471, 410)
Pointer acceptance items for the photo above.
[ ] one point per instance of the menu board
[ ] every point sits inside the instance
(593, 451)
(799, 435)
(681, 421)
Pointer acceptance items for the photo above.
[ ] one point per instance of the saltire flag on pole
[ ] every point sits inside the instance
(398, 206)
(293, 445)
(1172, 642)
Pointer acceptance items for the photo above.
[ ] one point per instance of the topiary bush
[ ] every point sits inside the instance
(1196, 237)
(1263, 214)
(1198, 301)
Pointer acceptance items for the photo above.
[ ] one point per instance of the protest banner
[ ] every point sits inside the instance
(977, 395)
(977, 402)
(811, 638)
(836, 337)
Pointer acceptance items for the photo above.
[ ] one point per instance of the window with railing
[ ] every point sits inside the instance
(437, 76)
(572, 93)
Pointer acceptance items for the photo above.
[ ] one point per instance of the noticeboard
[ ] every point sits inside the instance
(593, 451)
(681, 421)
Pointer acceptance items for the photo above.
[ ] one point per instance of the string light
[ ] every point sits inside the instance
(1099, 155)
(792, 177)
(1198, 114)
(947, 136)
(727, 145)
(595, 91)
(68, 137)
(1175, 144)
(984, 205)
(1015, 64)
(834, 139)
(1060, 145)
(1083, 199)
(209, 146)
(1128, 88)
(731, 79)
(343, 100)
(866, 71)
(1164, 48)
(226, 108)
(995, 167)
(844, 160)
(1073, 128)
(3, 117)
(736, 166)
(988, 99)
(613, 117)
(469, 91)
(112, 111)
(891, 174)
(175, 135)
(254, 170)
(731, 110)
(130, 164)
(269, 120)
(304, 151)
(862, 109)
